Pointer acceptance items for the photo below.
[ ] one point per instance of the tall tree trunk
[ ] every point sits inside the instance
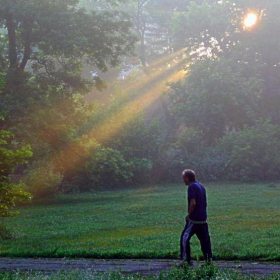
(27, 24)
(14, 79)
(143, 51)
(12, 41)
(141, 31)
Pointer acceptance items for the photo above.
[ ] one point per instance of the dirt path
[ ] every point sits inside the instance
(145, 267)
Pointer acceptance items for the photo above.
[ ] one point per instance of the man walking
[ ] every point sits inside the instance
(196, 220)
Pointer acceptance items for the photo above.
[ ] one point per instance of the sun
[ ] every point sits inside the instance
(250, 20)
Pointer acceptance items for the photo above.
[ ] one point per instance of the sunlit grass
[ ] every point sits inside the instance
(147, 222)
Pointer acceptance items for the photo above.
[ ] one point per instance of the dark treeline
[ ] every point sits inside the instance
(222, 120)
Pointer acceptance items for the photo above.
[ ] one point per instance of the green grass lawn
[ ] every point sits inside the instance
(244, 221)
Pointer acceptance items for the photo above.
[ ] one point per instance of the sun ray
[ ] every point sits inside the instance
(143, 94)
(111, 126)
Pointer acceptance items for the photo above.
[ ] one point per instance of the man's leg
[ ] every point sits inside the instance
(186, 236)
(202, 233)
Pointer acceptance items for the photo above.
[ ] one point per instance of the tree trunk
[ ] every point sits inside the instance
(12, 41)
(143, 51)
(27, 24)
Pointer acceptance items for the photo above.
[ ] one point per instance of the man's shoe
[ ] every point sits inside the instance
(207, 263)
(184, 264)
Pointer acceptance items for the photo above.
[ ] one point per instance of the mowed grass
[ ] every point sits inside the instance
(146, 222)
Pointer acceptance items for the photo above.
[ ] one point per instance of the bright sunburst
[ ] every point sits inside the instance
(250, 20)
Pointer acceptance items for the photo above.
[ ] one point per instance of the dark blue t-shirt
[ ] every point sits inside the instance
(197, 191)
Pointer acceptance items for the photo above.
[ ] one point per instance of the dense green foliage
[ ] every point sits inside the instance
(45, 48)
(227, 109)
(222, 120)
(11, 155)
(243, 221)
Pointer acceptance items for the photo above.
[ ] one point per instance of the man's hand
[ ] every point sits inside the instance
(191, 208)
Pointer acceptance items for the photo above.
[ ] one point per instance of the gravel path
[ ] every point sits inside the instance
(145, 267)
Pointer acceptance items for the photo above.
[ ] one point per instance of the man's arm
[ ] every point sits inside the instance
(191, 208)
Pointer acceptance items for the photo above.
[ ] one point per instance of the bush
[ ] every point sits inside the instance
(246, 155)
(6, 233)
(42, 180)
(108, 168)
(190, 151)
(253, 153)
(126, 159)
(11, 155)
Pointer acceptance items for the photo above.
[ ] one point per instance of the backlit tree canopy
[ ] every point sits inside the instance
(53, 39)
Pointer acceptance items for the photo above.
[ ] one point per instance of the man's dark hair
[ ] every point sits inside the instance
(189, 174)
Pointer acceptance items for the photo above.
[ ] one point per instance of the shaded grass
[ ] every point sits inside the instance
(209, 273)
(244, 221)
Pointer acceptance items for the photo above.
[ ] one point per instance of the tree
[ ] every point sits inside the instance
(11, 155)
(215, 29)
(44, 47)
(234, 74)
(151, 23)
(253, 152)
(139, 16)
(46, 44)
(231, 87)
(152, 20)
(217, 97)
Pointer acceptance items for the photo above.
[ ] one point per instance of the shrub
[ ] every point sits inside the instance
(108, 168)
(253, 153)
(42, 180)
(11, 155)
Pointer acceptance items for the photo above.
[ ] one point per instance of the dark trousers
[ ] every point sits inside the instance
(202, 233)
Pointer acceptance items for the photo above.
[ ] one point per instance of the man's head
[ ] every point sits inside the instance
(188, 176)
